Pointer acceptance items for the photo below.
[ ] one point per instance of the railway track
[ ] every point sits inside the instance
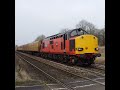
(97, 69)
(20, 58)
(99, 66)
(51, 77)
(71, 70)
(94, 71)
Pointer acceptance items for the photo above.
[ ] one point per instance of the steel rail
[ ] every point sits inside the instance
(70, 71)
(92, 72)
(62, 84)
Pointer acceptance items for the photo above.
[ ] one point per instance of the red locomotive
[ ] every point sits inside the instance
(74, 46)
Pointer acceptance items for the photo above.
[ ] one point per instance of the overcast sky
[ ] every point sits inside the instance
(48, 17)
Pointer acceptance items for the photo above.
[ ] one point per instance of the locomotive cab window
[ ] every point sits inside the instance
(80, 32)
(77, 32)
(73, 33)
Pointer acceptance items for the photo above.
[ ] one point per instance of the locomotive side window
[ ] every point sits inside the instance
(51, 42)
(72, 44)
(73, 33)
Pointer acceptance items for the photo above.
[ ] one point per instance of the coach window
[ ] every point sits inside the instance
(73, 33)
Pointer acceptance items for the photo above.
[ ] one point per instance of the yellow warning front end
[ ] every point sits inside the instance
(86, 44)
(86, 48)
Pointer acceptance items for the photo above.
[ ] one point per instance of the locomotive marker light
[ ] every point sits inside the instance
(97, 49)
(80, 49)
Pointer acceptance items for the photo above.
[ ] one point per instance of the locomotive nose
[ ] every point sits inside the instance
(86, 44)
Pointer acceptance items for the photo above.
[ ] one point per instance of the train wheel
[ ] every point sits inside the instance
(66, 59)
(73, 60)
(80, 62)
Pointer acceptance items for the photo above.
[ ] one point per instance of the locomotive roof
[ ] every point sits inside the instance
(55, 35)
(64, 32)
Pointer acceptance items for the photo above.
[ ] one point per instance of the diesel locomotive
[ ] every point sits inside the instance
(74, 46)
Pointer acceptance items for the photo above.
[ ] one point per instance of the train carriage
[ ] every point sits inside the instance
(31, 48)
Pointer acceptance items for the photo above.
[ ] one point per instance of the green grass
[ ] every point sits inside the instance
(102, 54)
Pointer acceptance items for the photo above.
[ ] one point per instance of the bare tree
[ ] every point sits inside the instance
(101, 36)
(100, 33)
(88, 26)
(64, 30)
(39, 38)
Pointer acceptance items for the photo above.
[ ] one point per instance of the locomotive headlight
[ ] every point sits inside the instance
(80, 49)
(97, 49)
